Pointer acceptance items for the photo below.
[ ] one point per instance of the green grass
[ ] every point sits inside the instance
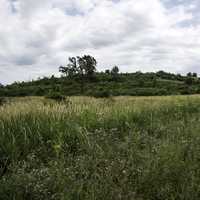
(137, 148)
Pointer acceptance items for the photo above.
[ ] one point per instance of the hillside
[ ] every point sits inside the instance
(104, 84)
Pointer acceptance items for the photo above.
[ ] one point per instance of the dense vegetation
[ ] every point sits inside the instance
(131, 148)
(80, 77)
(87, 148)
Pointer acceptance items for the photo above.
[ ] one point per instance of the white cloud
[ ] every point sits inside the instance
(38, 36)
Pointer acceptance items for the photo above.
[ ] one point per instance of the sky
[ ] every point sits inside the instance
(36, 37)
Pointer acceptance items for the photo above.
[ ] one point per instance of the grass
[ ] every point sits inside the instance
(137, 148)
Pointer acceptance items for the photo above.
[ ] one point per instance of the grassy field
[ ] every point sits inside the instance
(137, 148)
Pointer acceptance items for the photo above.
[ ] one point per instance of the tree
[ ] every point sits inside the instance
(71, 69)
(86, 68)
(83, 66)
(107, 71)
(87, 65)
(194, 75)
(189, 74)
(115, 70)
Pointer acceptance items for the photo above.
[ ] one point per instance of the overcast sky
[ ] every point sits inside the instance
(37, 36)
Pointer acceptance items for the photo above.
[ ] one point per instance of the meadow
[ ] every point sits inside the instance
(120, 148)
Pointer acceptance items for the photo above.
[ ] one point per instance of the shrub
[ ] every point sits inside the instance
(102, 94)
(189, 81)
(56, 96)
(39, 91)
(186, 90)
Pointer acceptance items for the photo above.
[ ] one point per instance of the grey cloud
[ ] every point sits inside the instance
(38, 36)
(24, 60)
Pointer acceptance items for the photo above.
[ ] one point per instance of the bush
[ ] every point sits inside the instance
(39, 91)
(102, 94)
(189, 81)
(56, 96)
(186, 90)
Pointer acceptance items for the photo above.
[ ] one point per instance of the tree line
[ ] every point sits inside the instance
(81, 77)
(84, 66)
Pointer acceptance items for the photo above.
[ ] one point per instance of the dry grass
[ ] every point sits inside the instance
(87, 148)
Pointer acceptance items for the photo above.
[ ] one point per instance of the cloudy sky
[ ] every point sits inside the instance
(37, 36)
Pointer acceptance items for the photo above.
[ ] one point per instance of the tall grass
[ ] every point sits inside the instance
(86, 148)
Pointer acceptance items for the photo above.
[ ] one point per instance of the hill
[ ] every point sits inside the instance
(105, 84)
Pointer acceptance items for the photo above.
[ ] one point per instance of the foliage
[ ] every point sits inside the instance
(87, 65)
(115, 70)
(102, 94)
(135, 84)
(71, 69)
(189, 80)
(81, 66)
(119, 148)
(81, 78)
(56, 96)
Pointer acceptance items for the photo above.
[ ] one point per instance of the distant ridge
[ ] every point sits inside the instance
(107, 84)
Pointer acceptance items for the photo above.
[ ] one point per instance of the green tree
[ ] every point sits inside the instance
(87, 66)
(189, 74)
(71, 69)
(82, 66)
(194, 75)
(107, 71)
(115, 70)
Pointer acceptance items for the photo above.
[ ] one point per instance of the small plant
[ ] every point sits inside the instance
(2, 101)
